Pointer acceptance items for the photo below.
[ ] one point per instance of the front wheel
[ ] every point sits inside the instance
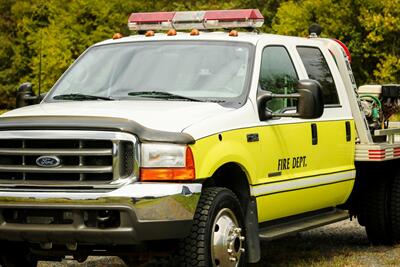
(16, 255)
(218, 233)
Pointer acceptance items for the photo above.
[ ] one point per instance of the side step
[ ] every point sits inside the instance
(302, 224)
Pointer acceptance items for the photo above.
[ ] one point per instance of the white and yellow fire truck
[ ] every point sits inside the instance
(199, 142)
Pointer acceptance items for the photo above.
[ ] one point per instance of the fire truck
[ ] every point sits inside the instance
(196, 137)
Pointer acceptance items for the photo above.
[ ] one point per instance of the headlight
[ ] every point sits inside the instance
(163, 155)
(166, 162)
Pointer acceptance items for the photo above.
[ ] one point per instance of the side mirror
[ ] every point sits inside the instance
(26, 96)
(310, 104)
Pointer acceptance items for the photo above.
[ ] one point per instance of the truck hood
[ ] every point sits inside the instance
(173, 116)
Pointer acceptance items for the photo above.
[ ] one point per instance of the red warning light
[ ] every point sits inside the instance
(186, 20)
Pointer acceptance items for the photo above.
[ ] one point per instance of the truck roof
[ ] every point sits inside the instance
(248, 37)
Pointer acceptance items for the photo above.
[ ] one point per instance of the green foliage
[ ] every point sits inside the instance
(57, 32)
(370, 28)
(381, 21)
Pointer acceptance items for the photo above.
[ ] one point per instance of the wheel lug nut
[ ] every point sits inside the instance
(232, 259)
(230, 250)
(241, 238)
(242, 250)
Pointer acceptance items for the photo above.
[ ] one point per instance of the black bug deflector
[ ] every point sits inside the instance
(143, 133)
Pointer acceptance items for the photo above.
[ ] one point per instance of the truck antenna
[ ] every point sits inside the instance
(314, 30)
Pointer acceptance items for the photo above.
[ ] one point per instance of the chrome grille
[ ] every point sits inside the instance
(85, 159)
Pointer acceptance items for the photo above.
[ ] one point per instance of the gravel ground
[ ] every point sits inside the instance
(340, 244)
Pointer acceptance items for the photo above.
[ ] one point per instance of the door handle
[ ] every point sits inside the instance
(348, 131)
(314, 134)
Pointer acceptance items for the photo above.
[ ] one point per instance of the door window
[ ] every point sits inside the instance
(278, 75)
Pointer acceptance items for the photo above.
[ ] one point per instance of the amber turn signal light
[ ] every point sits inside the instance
(117, 36)
(195, 32)
(149, 34)
(171, 32)
(234, 33)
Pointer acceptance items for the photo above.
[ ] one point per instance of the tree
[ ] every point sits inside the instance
(370, 29)
(60, 31)
(381, 23)
(7, 35)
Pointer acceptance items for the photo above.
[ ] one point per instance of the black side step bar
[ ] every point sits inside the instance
(302, 224)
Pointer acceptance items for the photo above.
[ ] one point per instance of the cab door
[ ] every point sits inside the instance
(305, 166)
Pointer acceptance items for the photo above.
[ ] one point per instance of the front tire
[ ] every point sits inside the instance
(16, 255)
(218, 232)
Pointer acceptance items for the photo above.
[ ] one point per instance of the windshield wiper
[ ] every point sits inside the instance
(81, 97)
(164, 95)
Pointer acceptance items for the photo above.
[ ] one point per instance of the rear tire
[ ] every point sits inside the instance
(217, 234)
(376, 213)
(394, 210)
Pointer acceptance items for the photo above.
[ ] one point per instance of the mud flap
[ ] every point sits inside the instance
(253, 240)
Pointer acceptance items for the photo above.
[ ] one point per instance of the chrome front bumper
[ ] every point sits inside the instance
(139, 212)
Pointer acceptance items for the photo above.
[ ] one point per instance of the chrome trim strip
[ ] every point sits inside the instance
(115, 158)
(134, 191)
(59, 169)
(52, 151)
(305, 182)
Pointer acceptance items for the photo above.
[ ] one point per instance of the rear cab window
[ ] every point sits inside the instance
(317, 69)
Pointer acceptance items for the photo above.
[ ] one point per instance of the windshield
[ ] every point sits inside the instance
(183, 71)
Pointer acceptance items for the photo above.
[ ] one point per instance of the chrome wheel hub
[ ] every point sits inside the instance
(227, 240)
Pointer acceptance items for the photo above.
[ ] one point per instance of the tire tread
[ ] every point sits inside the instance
(395, 209)
(197, 238)
(376, 211)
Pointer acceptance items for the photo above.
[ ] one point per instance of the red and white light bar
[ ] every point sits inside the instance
(186, 20)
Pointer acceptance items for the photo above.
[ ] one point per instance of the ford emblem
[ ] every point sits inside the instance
(48, 161)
